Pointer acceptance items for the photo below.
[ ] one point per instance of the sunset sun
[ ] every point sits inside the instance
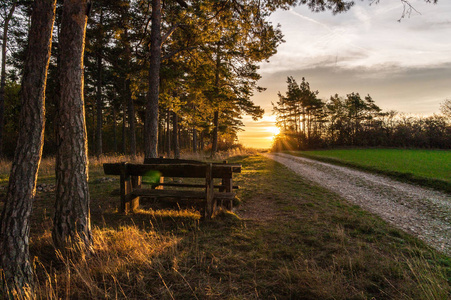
(273, 130)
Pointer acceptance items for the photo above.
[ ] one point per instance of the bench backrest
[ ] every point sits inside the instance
(151, 161)
(184, 170)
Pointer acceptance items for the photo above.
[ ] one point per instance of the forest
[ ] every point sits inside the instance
(210, 52)
(307, 122)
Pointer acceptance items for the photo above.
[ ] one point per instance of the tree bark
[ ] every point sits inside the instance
(175, 136)
(168, 133)
(99, 102)
(194, 140)
(151, 121)
(3, 72)
(15, 219)
(201, 142)
(114, 129)
(131, 119)
(128, 95)
(99, 105)
(124, 130)
(214, 147)
(72, 215)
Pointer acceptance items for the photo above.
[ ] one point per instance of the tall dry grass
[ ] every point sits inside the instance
(122, 262)
(47, 165)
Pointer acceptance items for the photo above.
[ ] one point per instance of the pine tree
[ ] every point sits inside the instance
(72, 213)
(15, 220)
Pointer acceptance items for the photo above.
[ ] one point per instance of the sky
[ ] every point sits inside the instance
(404, 66)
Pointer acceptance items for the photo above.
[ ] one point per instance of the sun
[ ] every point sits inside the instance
(273, 129)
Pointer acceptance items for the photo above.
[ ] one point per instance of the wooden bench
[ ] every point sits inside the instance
(131, 182)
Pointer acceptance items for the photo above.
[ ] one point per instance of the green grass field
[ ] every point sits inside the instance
(428, 167)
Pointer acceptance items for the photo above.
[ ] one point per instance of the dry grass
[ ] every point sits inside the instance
(314, 246)
(123, 259)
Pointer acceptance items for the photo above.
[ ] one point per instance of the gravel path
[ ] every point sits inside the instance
(422, 212)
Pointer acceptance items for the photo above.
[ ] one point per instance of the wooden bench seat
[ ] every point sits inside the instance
(179, 194)
(131, 182)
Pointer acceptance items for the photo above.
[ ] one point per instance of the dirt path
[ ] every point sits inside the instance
(422, 212)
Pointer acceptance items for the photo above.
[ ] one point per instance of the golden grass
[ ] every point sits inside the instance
(120, 263)
(314, 246)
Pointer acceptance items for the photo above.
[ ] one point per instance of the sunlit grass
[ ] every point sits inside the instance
(122, 261)
(316, 246)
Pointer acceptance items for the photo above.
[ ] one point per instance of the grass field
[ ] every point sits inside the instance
(428, 167)
(288, 240)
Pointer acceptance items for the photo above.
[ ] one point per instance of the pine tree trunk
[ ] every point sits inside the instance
(15, 220)
(3, 71)
(129, 99)
(131, 120)
(201, 142)
(114, 129)
(214, 147)
(175, 138)
(168, 133)
(72, 216)
(194, 140)
(124, 130)
(99, 106)
(151, 121)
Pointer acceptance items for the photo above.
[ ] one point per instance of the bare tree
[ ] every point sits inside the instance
(15, 220)
(445, 108)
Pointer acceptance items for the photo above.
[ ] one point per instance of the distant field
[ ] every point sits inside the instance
(428, 167)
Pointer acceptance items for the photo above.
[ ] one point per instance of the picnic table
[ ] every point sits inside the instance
(131, 187)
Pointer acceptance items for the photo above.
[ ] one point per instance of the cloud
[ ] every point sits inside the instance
(391, 86)
(365, 36)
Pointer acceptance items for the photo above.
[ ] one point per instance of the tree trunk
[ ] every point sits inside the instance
(201, 142)
(131, 119)
(99, 105)
(114, 129)
(124, 130)
(99, 102)
(151, 121)
(3, 72)
(72, 216)
(214, 147)
(194, 140)
(129, 99)
(175, 136)
(15, 219)
(168, 134)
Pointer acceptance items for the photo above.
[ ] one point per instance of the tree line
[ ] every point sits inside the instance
(307, 122)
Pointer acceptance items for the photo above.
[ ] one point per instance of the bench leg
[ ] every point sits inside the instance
(126, 189)
(228, 183)
(210, 207)
(127, 184)
(136, 184)
(226, 187)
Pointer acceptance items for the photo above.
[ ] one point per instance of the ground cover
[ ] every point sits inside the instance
(289, 239)
(425, 167)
